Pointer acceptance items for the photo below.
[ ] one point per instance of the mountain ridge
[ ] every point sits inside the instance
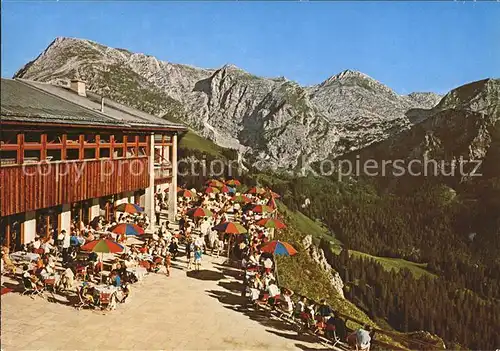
(273, 121)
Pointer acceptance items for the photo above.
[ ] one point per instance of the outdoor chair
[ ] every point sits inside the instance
(31, 289)
(107, 301)
(81, 273)
(84, 301)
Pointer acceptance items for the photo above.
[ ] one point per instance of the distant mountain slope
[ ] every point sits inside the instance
(464, 125)
(272, 120)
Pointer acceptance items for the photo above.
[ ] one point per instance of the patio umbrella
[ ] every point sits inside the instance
(129, 208)
(212, 189)
(230, 228)
(272, 194)
(271, 203)
(271, 223)
(214, 182)
(279, 248)
(103, 246)
(262, 209)
(256, 190)
(127, 229)
(199, 212)
(241, 199)
(186, 193)
(233, 182)
(227, 189)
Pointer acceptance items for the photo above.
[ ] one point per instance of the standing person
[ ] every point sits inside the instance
(189, 251)
(197, 257)
(157, 213)
(168, 263)
(66, 243)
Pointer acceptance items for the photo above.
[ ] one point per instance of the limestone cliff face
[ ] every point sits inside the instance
(318, 255)
(271, 120)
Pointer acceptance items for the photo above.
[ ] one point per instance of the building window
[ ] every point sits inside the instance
(142, 151)
(119, 138)
(105, 138)
(89, 154)
(73, 154)
(118, 153)
(54, 155)
(54, 138)
(8, 137)
(8, 158)
(31, 156)
(90, 138)
(131, 152)
(104, 152)
(32, 137)
(142, 138)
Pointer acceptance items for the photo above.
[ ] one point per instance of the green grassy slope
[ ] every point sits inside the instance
(193, 141)
(318, 231)
(417, 269)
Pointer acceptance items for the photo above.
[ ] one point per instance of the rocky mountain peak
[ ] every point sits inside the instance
(273, 120)
(347, 74)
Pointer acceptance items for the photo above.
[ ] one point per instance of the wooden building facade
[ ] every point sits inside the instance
(65, 153)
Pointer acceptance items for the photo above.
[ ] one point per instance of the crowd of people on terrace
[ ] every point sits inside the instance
(199, 234)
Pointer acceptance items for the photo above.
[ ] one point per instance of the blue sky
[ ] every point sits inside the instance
(410, 46)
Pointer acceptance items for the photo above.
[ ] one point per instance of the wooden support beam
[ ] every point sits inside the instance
(64, 147)
(112, 146)
(98, 147)
(43, 151)
(125, 140)
(136, 146)
(81, 152)
(7, 232)
(148, 150)
(20, 150)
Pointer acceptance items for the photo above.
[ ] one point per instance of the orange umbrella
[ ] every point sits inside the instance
(186, 193)
(262, 209)
(233, 182)
(214, 182)
(241, 198)
(271, 223)
(256, 190)
(212, 189)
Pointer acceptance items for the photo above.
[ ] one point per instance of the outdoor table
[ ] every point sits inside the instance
(139, 272)
(107, 289)
(104, 233)
(145, 257)
(21, 256)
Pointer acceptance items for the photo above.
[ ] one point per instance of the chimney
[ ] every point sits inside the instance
(102, 104)
(78, 86)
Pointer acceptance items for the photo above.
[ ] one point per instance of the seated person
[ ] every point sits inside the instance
(87, 293)
(115, 279)
(274, 293)
(36, 243)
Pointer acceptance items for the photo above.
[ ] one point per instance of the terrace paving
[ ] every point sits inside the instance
(186, 311)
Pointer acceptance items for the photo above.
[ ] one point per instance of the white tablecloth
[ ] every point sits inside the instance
(109, 289)
(145, 257)
(139, 272)
(24, 256)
